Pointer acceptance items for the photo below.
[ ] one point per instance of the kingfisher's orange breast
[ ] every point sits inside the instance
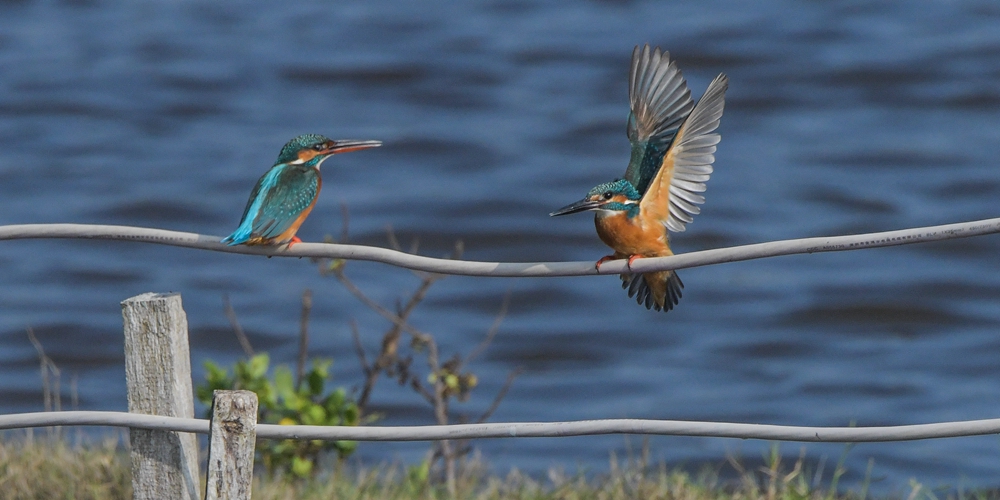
(632, 236)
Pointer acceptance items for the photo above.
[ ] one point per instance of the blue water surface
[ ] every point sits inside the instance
(842, 117)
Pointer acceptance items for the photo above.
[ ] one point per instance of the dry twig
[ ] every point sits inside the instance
(300, 366)
(234, 322)
(500, 395)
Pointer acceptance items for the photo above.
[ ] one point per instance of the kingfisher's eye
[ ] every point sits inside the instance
(607, 195)
(319, 147)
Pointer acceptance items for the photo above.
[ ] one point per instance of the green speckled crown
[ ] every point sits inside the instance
(290, 151)
(620, 186)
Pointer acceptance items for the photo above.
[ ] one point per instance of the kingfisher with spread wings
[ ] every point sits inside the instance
(673, 148)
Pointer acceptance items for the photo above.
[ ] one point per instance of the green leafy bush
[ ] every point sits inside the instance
(281, 402)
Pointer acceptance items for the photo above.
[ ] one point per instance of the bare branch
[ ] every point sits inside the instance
(394, 244)
(51, 391)
(390, 340)
(371, 372)
(494, 328)
(420, 389)
(500, 395)
(441, 414)
(45, 365)
(234, 322)
(74, 391)
(359, 349)
(391, 236)
(440, 403)
(303, 337)
(375, 306)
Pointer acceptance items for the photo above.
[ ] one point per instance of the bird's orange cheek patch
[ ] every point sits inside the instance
(306, 155)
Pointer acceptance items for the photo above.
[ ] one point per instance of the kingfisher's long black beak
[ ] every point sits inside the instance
(580, 206)
(346, 146)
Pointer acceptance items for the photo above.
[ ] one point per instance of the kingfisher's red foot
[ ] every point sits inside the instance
(632, 259)
(294, 240)
(603, 260)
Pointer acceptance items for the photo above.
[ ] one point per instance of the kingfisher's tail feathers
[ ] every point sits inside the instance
(239, 237)
(660, 291)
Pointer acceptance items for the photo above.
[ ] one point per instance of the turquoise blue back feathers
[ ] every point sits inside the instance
(275, 202)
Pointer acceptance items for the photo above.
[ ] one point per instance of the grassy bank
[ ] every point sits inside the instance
(54, 469)
(41, 468)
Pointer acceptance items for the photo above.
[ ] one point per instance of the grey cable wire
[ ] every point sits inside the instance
(521, 429)
(537, 269)
(103, 418)
(510, 269)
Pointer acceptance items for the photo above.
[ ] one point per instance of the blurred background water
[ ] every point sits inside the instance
(842, 117)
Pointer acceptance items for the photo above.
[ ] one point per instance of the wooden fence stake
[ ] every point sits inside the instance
(158, 376)
(232, 437)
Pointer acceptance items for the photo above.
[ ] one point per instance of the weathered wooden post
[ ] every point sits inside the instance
(158, 375)
(231, 444)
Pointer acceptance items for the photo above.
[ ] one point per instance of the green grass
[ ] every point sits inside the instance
(53, 469)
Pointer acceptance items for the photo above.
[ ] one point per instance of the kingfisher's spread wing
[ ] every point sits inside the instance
(673, 195)
(660, 101)
(275, 203)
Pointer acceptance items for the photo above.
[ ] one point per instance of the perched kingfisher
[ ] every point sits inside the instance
(673, 148)
(284, 196)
